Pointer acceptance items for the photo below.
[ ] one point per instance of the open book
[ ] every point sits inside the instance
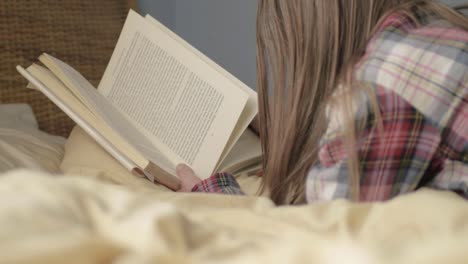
(160, 103)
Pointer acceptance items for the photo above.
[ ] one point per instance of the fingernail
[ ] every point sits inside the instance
(181, 168)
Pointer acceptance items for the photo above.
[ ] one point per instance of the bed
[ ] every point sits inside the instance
(64, 200)
(84, 208)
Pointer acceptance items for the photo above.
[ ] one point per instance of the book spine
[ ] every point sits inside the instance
(128, 164)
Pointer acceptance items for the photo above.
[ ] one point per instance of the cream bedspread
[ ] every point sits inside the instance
(99, 213)
(45, 219)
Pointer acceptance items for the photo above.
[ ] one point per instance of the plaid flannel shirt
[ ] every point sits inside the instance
(420, 78)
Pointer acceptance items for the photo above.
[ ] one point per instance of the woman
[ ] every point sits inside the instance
(368, 99)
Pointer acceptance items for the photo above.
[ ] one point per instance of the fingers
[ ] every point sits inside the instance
(187, 177)
(184, 170)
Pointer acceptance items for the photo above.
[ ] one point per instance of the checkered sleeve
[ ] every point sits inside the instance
(223, 183)
(392, 161)
(418, 74)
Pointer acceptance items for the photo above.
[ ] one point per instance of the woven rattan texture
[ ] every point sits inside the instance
(82, 33)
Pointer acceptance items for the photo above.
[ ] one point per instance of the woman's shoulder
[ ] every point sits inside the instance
(430, 34)
(426, 64)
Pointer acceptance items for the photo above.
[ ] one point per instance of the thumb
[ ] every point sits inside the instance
(184, 170)
(187, 177)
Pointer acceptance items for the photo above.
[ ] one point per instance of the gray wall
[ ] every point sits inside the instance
(222, 29)
(162, 10)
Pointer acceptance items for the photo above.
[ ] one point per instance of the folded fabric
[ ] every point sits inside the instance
(23, 145)
(78, 220)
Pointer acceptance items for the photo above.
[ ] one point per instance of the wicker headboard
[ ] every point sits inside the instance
(83, 33)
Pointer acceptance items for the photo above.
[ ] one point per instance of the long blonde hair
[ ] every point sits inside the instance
(306, 49)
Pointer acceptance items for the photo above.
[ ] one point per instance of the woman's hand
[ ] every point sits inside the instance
(187, 177)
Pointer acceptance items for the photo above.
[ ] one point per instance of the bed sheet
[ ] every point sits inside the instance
(23, 145)
(99, 213)
(46, 219)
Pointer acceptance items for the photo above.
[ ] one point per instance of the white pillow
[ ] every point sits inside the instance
(23, 145)
(83, 156)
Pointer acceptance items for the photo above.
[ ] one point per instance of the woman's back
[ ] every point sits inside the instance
(362, 100)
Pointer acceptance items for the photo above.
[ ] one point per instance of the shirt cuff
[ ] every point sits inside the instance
(219, 183)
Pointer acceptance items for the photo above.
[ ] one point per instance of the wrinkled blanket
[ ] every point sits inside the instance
(55, 219)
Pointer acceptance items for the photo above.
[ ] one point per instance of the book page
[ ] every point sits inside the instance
(251, 108)
(247, 152)
(97, 104)
(186, 108)
(55, 90)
